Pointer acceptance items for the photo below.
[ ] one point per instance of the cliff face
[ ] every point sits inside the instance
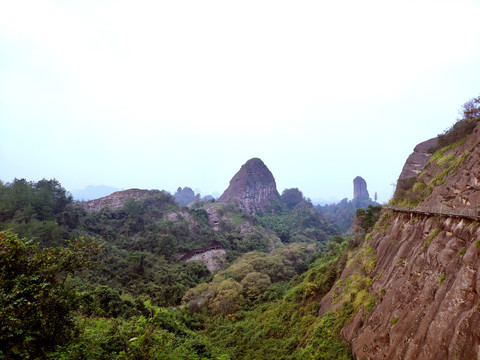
(454, 177)
(253, 187)
(427, 285)
(426, 281)
(418, 159)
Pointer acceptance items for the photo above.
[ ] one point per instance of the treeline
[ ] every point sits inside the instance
(42, 210)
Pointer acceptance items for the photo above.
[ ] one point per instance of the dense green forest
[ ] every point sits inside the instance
(343, 213)
(111, 283)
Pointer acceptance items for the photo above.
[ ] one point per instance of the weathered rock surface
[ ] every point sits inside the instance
(212, 258)
(253, 187)
(418, 159)
(459, 190)
(427, 274)
(117, 199)
(427, 283)
(360, 188)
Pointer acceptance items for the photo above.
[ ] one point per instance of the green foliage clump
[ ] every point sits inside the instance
(366, 218)
(300, 224)
(343, 213)
(431, 237)
(409, 192)
(41, 210)
(37, 300)
(441, 279)
(247, 279)
(464, 126)
(283, 321)
(163, 334)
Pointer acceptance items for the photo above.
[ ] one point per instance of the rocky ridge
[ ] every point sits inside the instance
(253, 187)
(117, 199)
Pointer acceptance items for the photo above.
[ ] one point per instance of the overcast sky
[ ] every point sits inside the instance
(161, 94)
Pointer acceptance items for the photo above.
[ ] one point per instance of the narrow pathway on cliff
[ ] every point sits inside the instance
(470, 214)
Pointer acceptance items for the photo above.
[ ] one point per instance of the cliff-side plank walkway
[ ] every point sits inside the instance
(194, 252)
(470, 214)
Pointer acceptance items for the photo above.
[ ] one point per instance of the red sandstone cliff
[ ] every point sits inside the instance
(426, 279)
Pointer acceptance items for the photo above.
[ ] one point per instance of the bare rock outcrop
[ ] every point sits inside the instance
(117, 199)
(213, 256)
(418, 158)
(360, 188)
(427, 285)
(253, 187)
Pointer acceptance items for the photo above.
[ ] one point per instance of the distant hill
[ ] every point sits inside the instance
(184, 196)
(117, 199)
(92, 192)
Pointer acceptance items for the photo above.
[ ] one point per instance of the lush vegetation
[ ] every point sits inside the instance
(299, 223)
(37, 297)
(118, 290)
(111, 284)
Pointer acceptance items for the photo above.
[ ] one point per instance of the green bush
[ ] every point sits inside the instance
(36, 300)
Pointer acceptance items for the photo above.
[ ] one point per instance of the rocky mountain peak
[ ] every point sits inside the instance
(360, 188)
(252, 187)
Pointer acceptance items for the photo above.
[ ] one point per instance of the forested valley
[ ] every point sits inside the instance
(114, 283)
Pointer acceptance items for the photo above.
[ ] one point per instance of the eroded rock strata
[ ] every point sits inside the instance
(426, 279)
(418, 158)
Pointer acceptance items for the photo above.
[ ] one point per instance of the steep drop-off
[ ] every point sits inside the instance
(427, 286)
(418, 158)
(426, 281)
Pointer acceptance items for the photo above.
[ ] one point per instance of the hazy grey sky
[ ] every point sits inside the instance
(161, 94)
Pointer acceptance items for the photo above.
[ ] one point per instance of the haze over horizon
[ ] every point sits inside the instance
(159, 95)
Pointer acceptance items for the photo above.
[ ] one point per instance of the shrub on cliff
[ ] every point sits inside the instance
(464, 126)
